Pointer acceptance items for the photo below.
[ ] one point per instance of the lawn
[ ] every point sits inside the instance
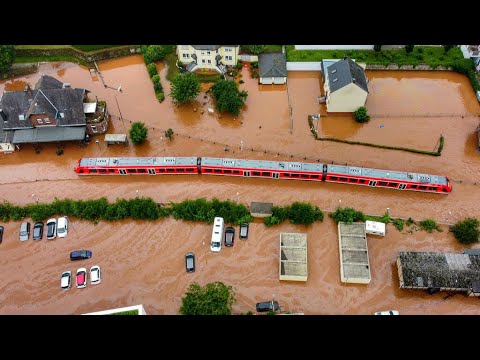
(433, 56)
(130, 312)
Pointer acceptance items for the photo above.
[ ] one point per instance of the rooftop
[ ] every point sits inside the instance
(272, 65)
(354, 262)
(261, 208)
(345, 72)
(293, 257)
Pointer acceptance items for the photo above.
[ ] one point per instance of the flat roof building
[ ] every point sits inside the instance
(293, 264)
(354, 262)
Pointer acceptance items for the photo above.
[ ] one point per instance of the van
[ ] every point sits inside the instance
(217, 234)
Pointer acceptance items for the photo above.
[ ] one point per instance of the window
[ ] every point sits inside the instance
(334, 71)
(207, 170)
(217, 171)
(102, 170)
(228, 49)
(352, 180)
(413, 186)
(392, 184)
(190, 170)
(256, 173)
(208, 52)
(143, 171)
(132, 171)
(294, 175)
(170, 170)
(421, 187)
(184, 47)
(209, 61)
(47, 121)
(236, 172)
(203, 61)
(203, 52)
(382, 183)
(266, 173)
(229, 57)
(343, 179)
(314, 176)
(94, 128)
(227, 171)
(333, 178)
(111, 170)
(362, 181)
(161, 170)
(92, 170)
(186, 56)
(39, 121)
(285, 174)
(304, 176)
(432, 188)
(180, 170)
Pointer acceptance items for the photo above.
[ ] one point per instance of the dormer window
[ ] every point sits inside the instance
(47, 121)
(39, 122)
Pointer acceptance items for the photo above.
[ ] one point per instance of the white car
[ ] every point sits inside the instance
(95, 276)
(62, 227)
(51, 229)
(81, 278)
(387, 312)
(66, 280)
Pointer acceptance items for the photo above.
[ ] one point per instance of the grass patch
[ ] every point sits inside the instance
(272, 48)
(210, 78)
(430, 55)
(429, 225)
(46, 58)
(129, 312)
(88, 48)
(173, 70)
(399, 224)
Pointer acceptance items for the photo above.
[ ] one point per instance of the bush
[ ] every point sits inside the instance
(138, 133)
(304, 214)
(347, 215)
(169, 134)
(153, 53)
(398, 223)
(410, 221)
(255, 64)
(59, 152)
(152, 69)
(185, 87)
(156, 78)
(228, 96)
(467, 231)
(361, 115)
(160, 96)
(157, 87)
(253, 49)
(7, 56)
(409, 48)
(239, 65)
(212, 299)
(241, 82)
(447, 48)
(420, 50)
(377, 48)
(429, 225)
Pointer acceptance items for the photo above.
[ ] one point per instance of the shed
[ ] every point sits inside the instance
(111, 139)
(6, 148)
(293, 257)
(261, 209)
(272, 68)
(375, 228)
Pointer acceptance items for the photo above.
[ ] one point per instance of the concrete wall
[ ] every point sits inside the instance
(333, 47)
(95, 55)
(248, 58)
(139, 308)
(347, 99)
(304, 66)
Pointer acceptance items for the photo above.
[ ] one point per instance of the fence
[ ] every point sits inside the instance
(304, 66)
(333, 47)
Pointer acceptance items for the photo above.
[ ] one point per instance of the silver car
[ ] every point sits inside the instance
(24, 231)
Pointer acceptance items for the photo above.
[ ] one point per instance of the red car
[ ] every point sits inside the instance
(81, 278)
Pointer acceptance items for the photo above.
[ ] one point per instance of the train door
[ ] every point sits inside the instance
(276, 175)
(402, 186)
(246, 173)
(122, 171)
(151, 171)
(372, 183)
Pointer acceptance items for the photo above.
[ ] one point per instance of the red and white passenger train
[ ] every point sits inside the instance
(265, 169)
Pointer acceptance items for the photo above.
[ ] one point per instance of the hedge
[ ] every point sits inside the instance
(298, 213)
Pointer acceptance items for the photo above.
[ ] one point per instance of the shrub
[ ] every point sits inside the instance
(228, 96)
(271, 220)
(429, 225)
(255, 64)
(420, 50)
(138, 133)
(59, 152)
(447, 48)
(347, 215)
(410, 221)
(152, 69)
(212, 299)
(241, 82)
(185, 87)
(160, 96)
(7, 56)
(304, 214)
(239, 65)
(157, 87)
(253, 49)
(156, 78)
(153, 53)
(409, 48)
(467, 231)
(169, 134)
(361, 115)
(398, 223)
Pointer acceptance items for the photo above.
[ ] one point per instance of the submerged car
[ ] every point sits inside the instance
(38, 231)
(267, 306)
(80, 255)
(51, 229)
(81, 278)
(190, 262)
(229, 236)
(66, 280)
(95, 276)
(62, 227)
(243, 231)
(387, 312)
(24, 231)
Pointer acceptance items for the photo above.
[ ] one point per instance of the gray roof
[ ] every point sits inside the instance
(345, 72)
(49, 134)
(272, 65)
(134, 161)
(5, 136)
(48, 98)
(261, 207)
(206, 47)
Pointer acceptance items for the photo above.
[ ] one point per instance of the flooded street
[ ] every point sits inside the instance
(143, 262)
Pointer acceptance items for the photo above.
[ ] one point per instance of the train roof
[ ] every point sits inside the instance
(262, 164)
(133, 161)
(387, 174)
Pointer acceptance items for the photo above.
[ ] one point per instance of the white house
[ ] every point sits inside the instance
(345, 86)
(472, 52)
(211, 57)
(272, 68)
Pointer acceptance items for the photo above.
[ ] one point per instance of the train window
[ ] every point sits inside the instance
(432, 188)
(343, 179)
(111, 170)
(382, 183)
(189, 169)
(333, 178)
(161, 170)
(236, 172)
(352, 180)
(421, 187)
(207, 170)
(131, 170)
(265, 173)
(362, 181)
(92, 170)
(142, 170)
(102, 170)
(227, 171)
(444, 190)
(80, 171)
(255, 173)
(294, 175)
(413, 186)
(180, 170)
(314, 176)
(304, 176)
(286, 174)
(392, 184)
(170, 170)
(217, 171)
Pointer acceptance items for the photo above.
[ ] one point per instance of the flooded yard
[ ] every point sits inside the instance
(144, 262)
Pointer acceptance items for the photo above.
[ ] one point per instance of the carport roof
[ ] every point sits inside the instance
(49, 134)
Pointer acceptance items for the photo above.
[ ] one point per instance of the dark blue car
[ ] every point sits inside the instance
(80, 255)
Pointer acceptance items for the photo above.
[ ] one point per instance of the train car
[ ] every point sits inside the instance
(137, 166)
(388, 179)
(261, 168)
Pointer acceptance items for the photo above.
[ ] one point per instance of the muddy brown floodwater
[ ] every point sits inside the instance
(143, 262)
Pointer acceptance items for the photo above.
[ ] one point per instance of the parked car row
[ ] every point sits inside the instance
(54, 228)
(81, 278)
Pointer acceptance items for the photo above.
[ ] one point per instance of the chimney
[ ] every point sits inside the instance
(3, 115)
(28, 91)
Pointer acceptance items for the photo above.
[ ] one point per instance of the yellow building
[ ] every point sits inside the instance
(211, 57)
(345, 86)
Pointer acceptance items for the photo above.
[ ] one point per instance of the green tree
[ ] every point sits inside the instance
(138, 133)
(152, 53)
(409, 48)
(253, 49)
(169, 134)
(347, 215)
(7, 56)
(185, 87)
(467, 231)
(361, 115)
(229, 98)
(213, 299)
(447, 48)
(377, 48)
